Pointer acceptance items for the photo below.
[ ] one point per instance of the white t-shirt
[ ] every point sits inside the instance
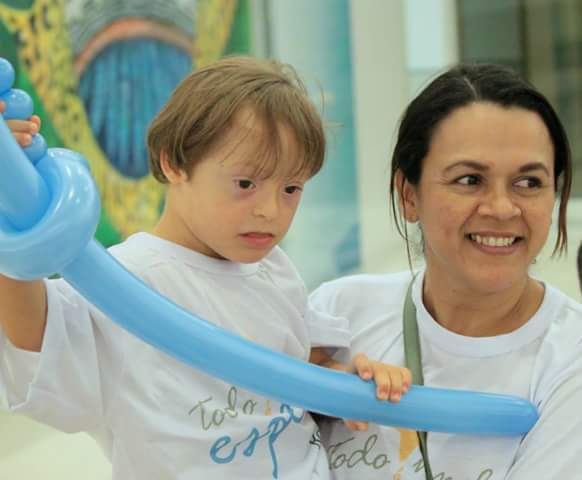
(541, 361)
(155, 417)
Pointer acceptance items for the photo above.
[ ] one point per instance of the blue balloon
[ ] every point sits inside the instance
(18, 104)
(53, 226)
(37, 149)
(23, 193)
(6, 75)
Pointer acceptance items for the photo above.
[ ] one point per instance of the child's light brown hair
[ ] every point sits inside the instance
(201, 109)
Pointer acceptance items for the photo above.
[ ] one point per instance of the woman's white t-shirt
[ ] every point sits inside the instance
(541, 362)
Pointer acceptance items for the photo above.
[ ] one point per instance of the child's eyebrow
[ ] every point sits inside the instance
(243, 168)
(240, 164)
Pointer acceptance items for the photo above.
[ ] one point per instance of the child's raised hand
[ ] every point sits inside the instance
(391, 382)
(23, 130)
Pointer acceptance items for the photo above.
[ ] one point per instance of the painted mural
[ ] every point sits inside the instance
(99, 70)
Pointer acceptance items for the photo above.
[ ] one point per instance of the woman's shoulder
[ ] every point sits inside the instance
(559, 356)
(565, 310)
(561, 317)
(357, 292)
(372, 280)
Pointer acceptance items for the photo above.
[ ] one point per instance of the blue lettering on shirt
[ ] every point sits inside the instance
(225, 451)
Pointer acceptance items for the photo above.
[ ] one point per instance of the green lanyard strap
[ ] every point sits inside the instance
(412, 357)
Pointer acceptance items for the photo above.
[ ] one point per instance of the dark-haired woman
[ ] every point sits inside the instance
(480, 160)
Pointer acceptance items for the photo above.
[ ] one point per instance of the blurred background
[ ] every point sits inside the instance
(99, 70)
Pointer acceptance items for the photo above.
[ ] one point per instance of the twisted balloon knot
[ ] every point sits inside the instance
(71, 213)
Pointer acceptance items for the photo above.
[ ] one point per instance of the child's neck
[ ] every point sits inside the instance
(168, 230)
(163, 230)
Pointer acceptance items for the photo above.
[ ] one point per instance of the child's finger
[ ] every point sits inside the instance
(383, 381)
(397, 386)
(23, 130)
(35, 119)
(22, 126)
(406, 379)
(358, 426)
(362, 366)
(23, 139)
(2, 106)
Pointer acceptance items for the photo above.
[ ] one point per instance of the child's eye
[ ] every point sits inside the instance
(244, 184)
(529, 182)
(468, 180)
(291, 189)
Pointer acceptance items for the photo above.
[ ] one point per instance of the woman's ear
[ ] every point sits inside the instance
(173, 174)
(407, 198)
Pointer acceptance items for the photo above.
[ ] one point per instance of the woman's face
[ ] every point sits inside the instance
(485, 197)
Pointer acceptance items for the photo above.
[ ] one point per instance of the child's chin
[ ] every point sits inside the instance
(252, 256)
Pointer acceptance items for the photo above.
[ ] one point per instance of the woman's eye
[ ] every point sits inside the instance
(244, 184)
(529, 182)
(291, 189)
(468, 180)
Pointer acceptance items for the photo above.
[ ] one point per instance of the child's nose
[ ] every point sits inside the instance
(267, 205)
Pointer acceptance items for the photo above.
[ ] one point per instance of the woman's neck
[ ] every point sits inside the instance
(475, 314)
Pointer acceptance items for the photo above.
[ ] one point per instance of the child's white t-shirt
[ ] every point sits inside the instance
(155, 417)
(541, 362)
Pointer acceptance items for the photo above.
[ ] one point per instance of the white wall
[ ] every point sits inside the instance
(431, 39)
(397, 47)
(561, 271)
(381, 91)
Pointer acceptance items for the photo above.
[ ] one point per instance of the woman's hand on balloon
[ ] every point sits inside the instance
(23, 130)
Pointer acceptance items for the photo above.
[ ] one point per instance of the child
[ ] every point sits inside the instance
(235, 145)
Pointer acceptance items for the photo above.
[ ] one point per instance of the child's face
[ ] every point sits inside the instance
(224, 210)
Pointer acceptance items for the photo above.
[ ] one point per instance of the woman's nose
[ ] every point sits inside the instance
(499, 204)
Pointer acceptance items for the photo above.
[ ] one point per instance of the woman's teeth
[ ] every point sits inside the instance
(493, 241)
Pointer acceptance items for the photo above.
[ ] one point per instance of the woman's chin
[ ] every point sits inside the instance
(496, 281)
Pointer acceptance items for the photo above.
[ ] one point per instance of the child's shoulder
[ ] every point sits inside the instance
(277, 262)
(138, 252)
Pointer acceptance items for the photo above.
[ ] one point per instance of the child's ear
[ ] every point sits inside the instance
(173, 174)
(407, 198)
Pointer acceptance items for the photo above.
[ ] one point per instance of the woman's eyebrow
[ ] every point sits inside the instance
(528, 167)
(467, 163)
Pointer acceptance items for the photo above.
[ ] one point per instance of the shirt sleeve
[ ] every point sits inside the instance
(326, 330)
(325, 324)
(552, 449)
(62, 385)
(17, 371)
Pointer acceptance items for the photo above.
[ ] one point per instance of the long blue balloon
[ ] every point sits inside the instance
(48, 216)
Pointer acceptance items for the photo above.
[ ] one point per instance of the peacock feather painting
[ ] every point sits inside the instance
(99, 70)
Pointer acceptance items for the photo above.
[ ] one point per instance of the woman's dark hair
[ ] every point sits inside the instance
(579, 263)
(458, 87)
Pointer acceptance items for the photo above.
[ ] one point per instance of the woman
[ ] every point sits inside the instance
(479, 160)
